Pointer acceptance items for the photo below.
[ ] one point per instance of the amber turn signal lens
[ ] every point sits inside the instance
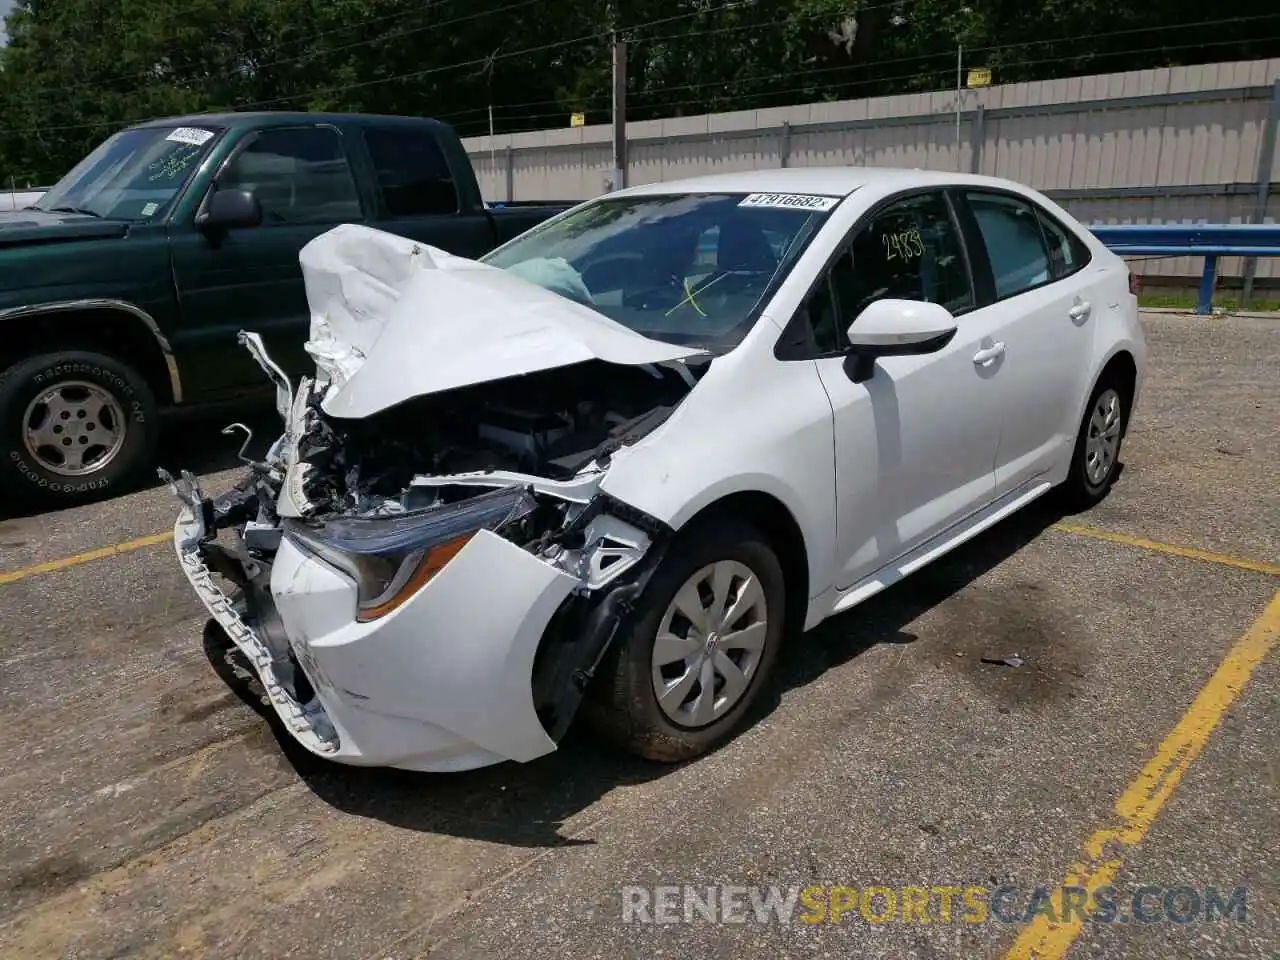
(432, 562)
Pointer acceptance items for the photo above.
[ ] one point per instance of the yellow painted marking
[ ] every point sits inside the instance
(74, 561)
(1136, 809)
(1190, 553)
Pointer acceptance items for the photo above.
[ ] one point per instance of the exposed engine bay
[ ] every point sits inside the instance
(553, 424)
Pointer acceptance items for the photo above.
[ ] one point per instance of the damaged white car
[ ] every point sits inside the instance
(635, 451)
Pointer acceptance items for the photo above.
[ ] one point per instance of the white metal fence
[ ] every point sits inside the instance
(1181, 144)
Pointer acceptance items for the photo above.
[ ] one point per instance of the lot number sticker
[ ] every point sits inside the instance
(193, 135)
(790, 201)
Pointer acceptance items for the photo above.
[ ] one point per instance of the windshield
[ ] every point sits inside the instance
(688, 269)
(132, 175)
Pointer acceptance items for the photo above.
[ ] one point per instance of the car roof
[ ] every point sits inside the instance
(272, 118)
(829, 181)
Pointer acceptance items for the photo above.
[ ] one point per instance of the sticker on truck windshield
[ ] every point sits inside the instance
(790, 201)
(192, 135)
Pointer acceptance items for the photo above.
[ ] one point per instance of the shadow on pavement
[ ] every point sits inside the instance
(526, 805)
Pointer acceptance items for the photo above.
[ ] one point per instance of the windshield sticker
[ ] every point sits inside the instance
(790, 201)
(192, 135)
(149, 208)
(174, 165)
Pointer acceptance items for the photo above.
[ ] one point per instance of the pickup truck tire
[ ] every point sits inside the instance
(74, 426)
(659, 647)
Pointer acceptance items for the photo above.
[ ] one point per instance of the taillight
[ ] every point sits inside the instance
(1133, 283)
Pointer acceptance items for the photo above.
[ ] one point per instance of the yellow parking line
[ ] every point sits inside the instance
(1136, 809)
(1189, 553)
(79, 558)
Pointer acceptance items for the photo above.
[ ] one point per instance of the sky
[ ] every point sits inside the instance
(5, 7)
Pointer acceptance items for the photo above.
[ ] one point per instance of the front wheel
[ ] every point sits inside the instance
(74, 426)
(1095, 463)
(699, 647)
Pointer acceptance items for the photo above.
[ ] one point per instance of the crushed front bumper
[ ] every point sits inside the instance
(440, 684)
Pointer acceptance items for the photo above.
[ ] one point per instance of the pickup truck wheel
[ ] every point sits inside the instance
(74, 425)
(698, 648)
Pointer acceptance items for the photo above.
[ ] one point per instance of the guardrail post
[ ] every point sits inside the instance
(784, 144)
(1204, 303)
(511, 173)
(1266, 157)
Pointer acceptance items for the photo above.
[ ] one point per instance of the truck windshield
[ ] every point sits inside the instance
(689, 269)
(132, 175)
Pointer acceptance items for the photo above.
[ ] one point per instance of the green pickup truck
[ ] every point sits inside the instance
(123, 288)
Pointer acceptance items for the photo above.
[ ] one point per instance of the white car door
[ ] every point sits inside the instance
(915, 443)
(1042, 309)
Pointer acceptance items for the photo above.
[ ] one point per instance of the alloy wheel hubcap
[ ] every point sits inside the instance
(1102, 443)
(709, 644)
(74, 428)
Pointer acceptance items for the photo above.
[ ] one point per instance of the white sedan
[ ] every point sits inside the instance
(624, 459)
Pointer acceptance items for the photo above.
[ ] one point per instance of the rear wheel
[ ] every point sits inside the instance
(1095, 464)
(74, 425)
(699, 647)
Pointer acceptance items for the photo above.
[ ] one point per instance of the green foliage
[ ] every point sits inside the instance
(75, 70)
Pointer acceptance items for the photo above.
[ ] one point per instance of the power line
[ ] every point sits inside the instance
(731, 4)
(892, 60)
(946, 71)
(737, 80)
(541, 48)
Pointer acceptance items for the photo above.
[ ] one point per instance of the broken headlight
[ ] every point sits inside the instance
(392, 558)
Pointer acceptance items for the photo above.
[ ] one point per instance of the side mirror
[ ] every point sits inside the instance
(895, 328)
(230, 208)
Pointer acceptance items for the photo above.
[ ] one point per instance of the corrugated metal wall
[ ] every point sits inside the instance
(1172, 145)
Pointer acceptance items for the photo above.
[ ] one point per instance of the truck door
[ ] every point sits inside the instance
(249, 278)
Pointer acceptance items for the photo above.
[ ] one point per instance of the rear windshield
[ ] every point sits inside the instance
(689, 269)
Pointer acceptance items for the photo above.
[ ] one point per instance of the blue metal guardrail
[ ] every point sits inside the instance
(1208, 240)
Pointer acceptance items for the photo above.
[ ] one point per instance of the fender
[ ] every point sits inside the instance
(120, 306)
(819, 551)
(1137, 352)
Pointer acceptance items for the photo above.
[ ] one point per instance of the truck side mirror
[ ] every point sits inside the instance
(227, 209)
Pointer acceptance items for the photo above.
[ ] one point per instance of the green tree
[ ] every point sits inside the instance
(75, 70)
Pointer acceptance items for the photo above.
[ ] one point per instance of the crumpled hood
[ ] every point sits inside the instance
(393, 319)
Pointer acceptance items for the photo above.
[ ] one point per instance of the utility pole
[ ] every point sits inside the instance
(619, 112)
(959, 94)
(493, 160)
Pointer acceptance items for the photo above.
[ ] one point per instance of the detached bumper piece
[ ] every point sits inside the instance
(197, 524)
(307, 723)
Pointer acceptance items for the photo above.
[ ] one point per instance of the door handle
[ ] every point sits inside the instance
(987, 354)
(1081, 310)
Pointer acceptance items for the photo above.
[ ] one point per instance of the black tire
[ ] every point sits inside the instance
(1079, 492)
(24, 476)
(623, 705)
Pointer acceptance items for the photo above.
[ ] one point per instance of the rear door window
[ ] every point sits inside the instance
(298, 174)
(412, 171)
(1014, 241)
